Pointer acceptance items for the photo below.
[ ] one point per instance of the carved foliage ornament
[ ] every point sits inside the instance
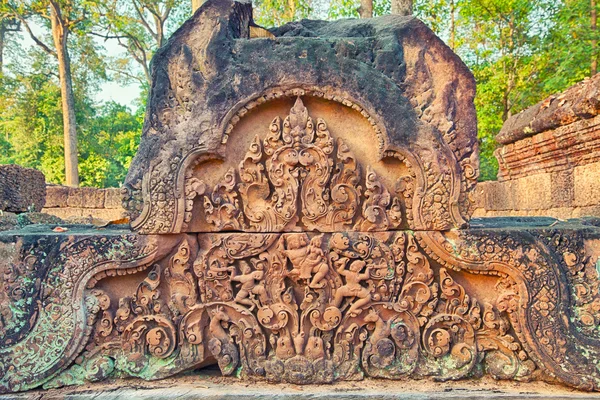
(299, 308)
(298, 177)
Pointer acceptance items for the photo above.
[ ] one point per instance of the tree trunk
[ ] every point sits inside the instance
(452, 25)
(2, 34)
(366, 9)
(594, 17)
(60, 34)
(402, 7)
(196, 5)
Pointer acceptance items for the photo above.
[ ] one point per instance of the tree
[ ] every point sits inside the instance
(140, 27)
(366, 9)
(7, 25)
(278, 12)
(31, 123)
(402, 7)
(62, 18)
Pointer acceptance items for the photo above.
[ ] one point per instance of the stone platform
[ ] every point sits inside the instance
(207, 385)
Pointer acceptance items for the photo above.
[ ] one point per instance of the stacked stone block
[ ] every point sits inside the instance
(66, 202)
(550, 159)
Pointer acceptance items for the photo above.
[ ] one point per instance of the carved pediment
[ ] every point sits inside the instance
(299, 178)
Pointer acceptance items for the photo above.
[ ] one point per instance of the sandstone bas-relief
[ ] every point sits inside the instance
(303, 227)
(416, 95)
(302, 307)
(296, 176)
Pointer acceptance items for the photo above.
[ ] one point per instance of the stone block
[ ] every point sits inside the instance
(113, 198)
(56, 196)
(75, 198)
(64, 212)
(392, 75)
(92, 197)
(562, 193)
(21, 189)
(497, 195)
(532, 192)
(586, 182)
(68, 213)
(8, 221)
(579, 102)
(589, 211)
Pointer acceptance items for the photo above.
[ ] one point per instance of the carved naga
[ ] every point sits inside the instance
(307, 261)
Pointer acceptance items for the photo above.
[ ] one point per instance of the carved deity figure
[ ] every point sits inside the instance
(250, 283)
(308, 259)
(353, 288)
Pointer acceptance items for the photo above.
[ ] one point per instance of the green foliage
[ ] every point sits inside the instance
(110, 143)
(140, 27)
(32, 134)
(31, 124)
(520, 51)
(271, 13)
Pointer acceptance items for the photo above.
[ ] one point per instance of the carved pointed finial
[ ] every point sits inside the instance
(298, 115)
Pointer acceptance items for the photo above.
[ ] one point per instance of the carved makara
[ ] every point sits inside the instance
(298, 177)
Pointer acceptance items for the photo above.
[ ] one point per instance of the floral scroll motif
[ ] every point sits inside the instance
(298, 177)
(301, 308)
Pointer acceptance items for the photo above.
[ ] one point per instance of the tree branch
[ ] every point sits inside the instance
(142, 19)
(107, 36)
(33, 37)
(127, 74)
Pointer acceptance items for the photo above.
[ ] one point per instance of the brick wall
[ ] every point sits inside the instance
(66, 202)
(570, 194)
(550, 159)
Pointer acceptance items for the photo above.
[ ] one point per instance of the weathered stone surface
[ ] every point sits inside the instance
(56, 196)
(562, 190)
(586, 181)
(413, 93)
(566, 194)
(307, 188)
(8, 221)
(21, 189)
(262, 305)
(37, 218)
(92, 197)
(68, 203)
(550, 162)
(86, 198)
(494, 195)
(75, 198)
(112, 198)
(551, 151)
(580, 102)
(87, 214)
(204, 385)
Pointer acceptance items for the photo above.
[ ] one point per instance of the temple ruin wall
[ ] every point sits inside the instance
(65, 202)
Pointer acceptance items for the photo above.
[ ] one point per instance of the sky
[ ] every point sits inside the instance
(123, 94)
(117, 91)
